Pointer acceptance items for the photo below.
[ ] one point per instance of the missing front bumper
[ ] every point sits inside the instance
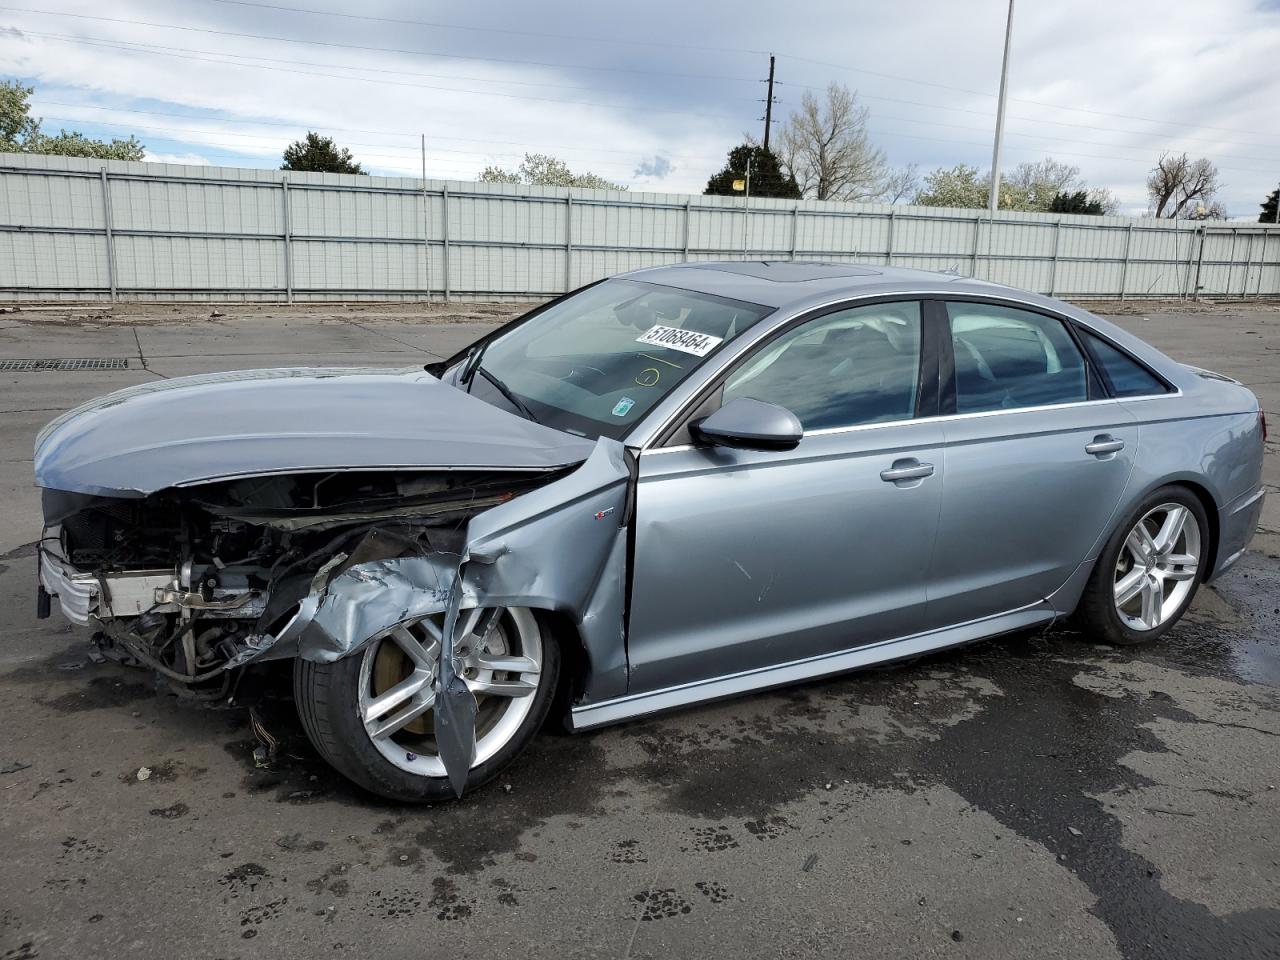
(85, 597)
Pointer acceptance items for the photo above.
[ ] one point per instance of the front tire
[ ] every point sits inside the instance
(1150, 569)
(369, 714)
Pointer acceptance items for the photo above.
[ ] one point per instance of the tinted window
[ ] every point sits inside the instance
(855, 366)
(1128, 377)
(1008, 358)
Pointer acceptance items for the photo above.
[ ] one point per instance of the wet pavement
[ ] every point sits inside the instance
(1039, 795)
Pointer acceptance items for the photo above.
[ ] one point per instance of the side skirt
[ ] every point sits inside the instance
(590, 715)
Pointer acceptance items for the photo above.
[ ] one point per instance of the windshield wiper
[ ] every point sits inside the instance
(470, 365)
(506, 393)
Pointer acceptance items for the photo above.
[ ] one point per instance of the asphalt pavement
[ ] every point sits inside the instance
(1037, 796)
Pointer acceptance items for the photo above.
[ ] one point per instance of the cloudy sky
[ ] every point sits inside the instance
(653, 95)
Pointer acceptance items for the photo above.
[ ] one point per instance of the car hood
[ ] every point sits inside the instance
(219, 426)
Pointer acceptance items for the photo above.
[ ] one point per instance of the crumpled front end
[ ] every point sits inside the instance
(196, 581)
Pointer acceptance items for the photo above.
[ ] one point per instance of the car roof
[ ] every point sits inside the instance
(793, 286)
(795, 283)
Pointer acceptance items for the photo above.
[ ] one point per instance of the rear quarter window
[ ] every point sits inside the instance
(1127, 376)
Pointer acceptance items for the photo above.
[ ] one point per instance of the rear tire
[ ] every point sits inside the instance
(333, 702)
(1149, 571)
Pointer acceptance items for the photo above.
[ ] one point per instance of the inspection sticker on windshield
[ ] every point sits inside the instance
(623, 407)
(686, 341)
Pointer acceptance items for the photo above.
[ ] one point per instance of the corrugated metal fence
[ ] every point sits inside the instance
(86, 229)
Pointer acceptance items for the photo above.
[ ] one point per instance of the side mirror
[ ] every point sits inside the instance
(750, 425)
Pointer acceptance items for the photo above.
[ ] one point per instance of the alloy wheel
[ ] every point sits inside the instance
(1156, 569)
(498, 652)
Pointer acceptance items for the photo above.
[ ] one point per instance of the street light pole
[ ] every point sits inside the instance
(994, 200)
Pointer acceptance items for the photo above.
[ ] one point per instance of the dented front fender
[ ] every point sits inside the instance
(561, 547)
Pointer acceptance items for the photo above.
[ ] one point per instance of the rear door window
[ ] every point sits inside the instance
(1007, 358)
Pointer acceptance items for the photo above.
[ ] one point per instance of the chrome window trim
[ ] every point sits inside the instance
(1175, 392)
(683, 405)
(942, 418)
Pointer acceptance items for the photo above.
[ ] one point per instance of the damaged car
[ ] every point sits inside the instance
(677, 485)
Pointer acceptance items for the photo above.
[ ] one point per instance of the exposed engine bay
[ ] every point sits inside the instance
(332, 517)
(192, 581)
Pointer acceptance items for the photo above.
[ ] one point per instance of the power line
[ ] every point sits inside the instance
(1056, 123)
(331, 129)
(1036, 103)
(457, 26)
(418, 86)
(192, 53)
(603, 164)
(559, 148)
(188, 54)
(271, 142)
(1043, 136)
(189, 131)
(899, 78)
(132, 44)
(371, 49)
(1063, 153)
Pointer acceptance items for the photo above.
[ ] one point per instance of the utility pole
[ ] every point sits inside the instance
(746, 204)
(994, 200)
(768, 106)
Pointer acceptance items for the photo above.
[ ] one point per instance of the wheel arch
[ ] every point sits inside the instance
(575, 659)
(1068, 595)
(1197, 489)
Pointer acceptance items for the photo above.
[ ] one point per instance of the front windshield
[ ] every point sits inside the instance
(597, 362)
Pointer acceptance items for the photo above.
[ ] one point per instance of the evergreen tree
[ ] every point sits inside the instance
(1076, 202)
(1268, 214)
(318, 154)
(767, 178)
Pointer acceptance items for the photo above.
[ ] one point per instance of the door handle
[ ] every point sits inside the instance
(910, 469)
(1104, 444)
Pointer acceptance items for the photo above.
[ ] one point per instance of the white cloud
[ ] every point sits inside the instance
(655, 167)
(190, 159)
(1206, 79)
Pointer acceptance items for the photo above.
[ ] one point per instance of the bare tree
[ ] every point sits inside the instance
(1105, 199)
(899, 185)
(825, 146)
(1032, 186)
(1179, 186)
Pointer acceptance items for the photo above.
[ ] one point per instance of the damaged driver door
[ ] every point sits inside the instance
(747, 559)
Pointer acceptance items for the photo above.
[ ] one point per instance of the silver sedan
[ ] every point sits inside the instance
(676, 485)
